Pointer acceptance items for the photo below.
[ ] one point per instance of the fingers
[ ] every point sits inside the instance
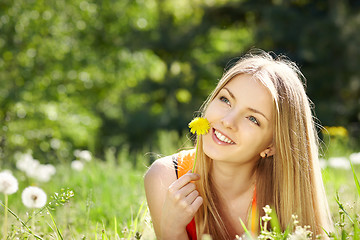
(183, 180)
(189, 199)
(183, 194)
(185, 190)
(192, 208)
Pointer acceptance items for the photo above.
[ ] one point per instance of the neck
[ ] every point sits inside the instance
(233, 181)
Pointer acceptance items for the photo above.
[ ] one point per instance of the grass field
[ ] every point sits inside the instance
(108, 199)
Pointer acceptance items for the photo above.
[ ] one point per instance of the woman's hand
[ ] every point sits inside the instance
(181, 203)
(172, 202)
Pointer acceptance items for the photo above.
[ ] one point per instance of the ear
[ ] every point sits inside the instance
(268, 152)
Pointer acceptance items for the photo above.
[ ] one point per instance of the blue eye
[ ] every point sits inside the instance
(254, 120)
(225, 100)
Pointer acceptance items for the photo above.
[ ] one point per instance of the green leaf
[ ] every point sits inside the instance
(274, 221)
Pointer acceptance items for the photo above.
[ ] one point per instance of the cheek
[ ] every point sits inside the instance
(265, 141)
(255, 137)
(210, 113)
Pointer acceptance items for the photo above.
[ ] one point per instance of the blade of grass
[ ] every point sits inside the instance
(356, 232)
(246, 230)
(327, 233)
(22, 223)
(103, 233)
(275, 225)
(355, 179)
(135, 222)
(274, 221)
(337, 199)
(53, 220)
(115, 230)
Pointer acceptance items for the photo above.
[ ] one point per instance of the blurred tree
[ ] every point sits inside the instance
(97, 74)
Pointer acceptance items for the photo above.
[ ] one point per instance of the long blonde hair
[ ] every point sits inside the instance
(290, 181)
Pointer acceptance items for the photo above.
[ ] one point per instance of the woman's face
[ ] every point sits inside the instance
(241, 122)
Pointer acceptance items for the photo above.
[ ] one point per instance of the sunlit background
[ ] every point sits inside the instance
(100, 74)
(114, 79)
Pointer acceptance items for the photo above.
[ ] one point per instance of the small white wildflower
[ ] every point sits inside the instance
(295, 219)
(8, 183)
(355, 158)
(339, 162)
(266, 218)
(77, 165)
(33, 197)
(301, 233)
(267, 209)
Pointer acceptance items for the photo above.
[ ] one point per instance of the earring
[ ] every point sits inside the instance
(265, 155)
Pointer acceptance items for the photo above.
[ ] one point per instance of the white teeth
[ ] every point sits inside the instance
(223, 138)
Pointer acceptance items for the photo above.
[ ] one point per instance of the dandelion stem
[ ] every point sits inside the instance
(22, 222)
(197, 146)
(33, 220)
(5, 216)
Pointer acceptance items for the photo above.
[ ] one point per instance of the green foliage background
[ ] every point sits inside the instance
(100, 74)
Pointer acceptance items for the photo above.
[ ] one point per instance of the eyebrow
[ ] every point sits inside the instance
(230, 93)
(249, 108)
(256, 111)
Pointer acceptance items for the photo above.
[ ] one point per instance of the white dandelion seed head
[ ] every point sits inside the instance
(77, 165)
(50, 168)
(24, 160)
(323, 163)
(34, 197)
(32, 168)
(339, 162)
(355, 158)
(43, 173)
(77, 152)
(8, 183)
(85, 155)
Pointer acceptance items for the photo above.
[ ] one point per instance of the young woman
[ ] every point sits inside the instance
(261, 149)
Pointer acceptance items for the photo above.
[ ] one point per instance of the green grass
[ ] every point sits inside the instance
(109, 200)
(107, 197)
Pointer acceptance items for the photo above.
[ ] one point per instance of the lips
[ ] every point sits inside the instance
(221, 138)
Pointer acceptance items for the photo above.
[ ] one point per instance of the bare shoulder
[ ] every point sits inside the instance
(162, 172)
(157, 180)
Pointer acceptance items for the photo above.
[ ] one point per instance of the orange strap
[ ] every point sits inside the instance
(185, 161)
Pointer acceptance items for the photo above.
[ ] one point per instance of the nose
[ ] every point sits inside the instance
(229, 120)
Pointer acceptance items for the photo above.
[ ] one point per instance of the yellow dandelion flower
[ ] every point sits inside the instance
(336, 131)
(199, 125)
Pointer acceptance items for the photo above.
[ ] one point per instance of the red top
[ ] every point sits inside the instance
(183, 164)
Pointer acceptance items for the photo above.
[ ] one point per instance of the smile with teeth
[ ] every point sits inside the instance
(222, 137)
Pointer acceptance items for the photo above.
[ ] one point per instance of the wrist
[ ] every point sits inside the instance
(170, 234)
